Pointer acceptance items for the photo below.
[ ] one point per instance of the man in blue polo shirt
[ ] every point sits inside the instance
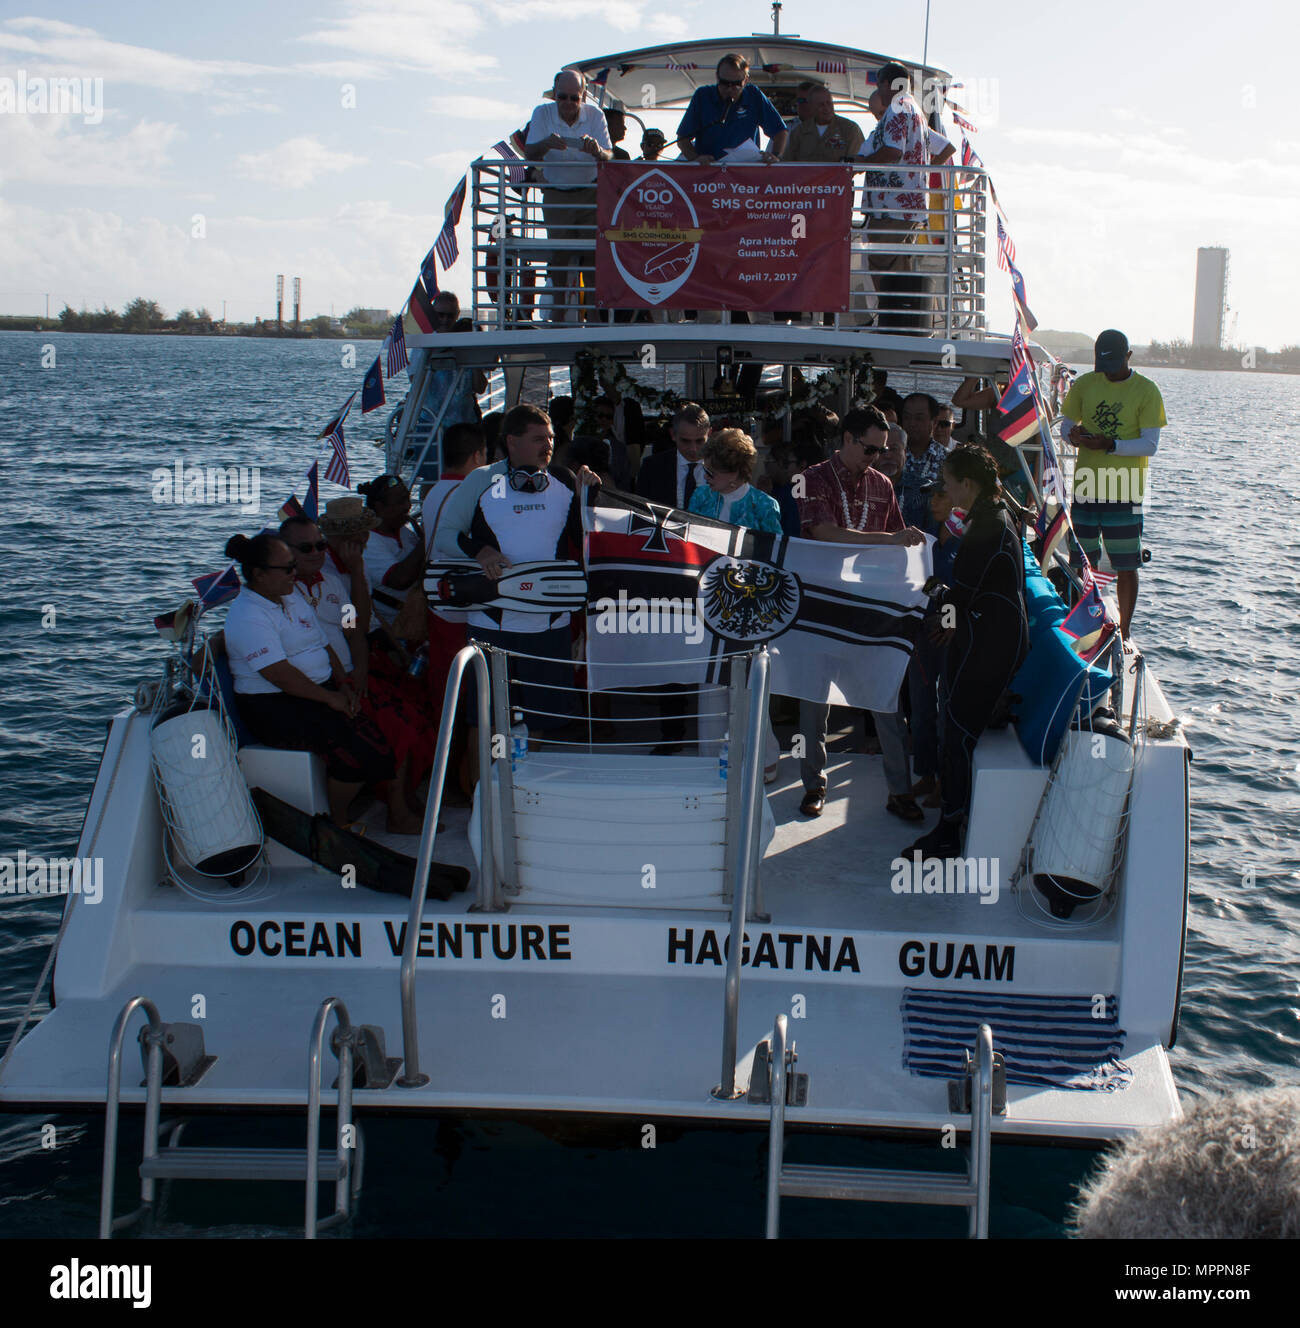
(729, 114)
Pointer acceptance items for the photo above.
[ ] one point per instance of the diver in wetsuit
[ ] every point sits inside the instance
(988, 637)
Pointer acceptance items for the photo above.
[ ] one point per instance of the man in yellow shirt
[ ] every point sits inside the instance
(1114, 417)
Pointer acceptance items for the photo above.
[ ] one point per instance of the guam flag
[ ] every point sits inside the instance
(666, 586)
(1087, 625)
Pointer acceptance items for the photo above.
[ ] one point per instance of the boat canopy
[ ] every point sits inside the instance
(777, 64)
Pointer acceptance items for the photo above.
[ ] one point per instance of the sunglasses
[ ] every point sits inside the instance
(319, 547)
(731, 82)
(944, 424)
(276, 567)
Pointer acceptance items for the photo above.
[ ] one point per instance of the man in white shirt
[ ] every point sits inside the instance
(568, 138)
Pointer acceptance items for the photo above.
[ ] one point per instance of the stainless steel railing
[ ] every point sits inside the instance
(746, 866)
(937, 289)
(470, 657)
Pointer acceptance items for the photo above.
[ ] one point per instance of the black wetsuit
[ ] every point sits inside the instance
(988, 593)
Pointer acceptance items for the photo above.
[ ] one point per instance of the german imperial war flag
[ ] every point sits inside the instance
(372, 388)
(666, 586)
(1018, 409)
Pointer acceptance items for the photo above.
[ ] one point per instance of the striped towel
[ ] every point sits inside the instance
(1051, 1041)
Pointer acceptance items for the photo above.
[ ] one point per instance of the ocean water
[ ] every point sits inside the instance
(90, 558)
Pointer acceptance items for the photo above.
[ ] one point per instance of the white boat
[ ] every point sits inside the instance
(559, 985)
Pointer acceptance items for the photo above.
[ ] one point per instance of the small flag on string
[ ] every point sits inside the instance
(1050, 527)
(1090, 576)
(969, 157)
(420, 306)
(599, 80)
(311, 505)
(337, 470)
(515, 174)
(1019, 352)
(1006, 248)
(673, 64)
(445, 245)
(965, 123)
(217, 587)
(372, 388)
(395, 348)
(1022, 304)
(1086, 625)
(429, 271)
(175, 625)
(624, 70)
(1019, 406)
(830, 66)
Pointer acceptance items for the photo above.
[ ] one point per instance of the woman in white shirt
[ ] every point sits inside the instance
(290, 685)
(333, 583)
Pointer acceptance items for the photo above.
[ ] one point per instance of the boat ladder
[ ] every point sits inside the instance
(969, 1189)
(181, 1047)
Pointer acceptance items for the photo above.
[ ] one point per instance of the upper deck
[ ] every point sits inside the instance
(930, 282)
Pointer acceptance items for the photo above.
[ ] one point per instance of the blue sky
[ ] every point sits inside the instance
(1121, 137)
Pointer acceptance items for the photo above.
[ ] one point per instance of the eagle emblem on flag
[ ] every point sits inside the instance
(744, 599)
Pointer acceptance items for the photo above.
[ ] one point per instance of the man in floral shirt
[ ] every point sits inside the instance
(923, 461)
(897, 200)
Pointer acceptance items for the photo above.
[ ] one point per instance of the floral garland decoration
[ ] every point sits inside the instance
(595, 365)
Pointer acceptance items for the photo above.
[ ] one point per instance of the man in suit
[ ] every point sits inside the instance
(670, 478)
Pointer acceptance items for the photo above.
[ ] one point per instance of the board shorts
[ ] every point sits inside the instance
(1117, 525)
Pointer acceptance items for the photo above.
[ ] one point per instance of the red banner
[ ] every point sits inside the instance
(709, 237)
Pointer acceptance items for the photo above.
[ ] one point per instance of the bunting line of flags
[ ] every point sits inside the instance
(337, 470)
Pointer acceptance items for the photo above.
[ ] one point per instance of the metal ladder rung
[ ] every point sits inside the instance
(881, 1186)
(238, 1164)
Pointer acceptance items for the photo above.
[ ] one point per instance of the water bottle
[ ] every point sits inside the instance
(722, 762)
(518, 742)
(419, 664)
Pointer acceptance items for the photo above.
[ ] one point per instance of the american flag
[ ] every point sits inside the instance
(445, 245)
(395, 348)
(1006, 248)
(965, 123)
(689, 64)
(830, 66)
(1019, 353)
(1089, 576)
(969, 157)
(337, 470)
(515, 174)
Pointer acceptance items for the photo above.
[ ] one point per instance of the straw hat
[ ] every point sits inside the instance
(347, 516)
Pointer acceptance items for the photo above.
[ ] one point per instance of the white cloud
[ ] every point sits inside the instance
(296, 163)
(408, 34)
(456, 107)
(60, 149)
(61, 48)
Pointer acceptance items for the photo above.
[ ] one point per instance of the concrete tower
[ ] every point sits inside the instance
(1211, 297)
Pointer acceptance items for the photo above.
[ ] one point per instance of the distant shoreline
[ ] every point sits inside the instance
(230, 330)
